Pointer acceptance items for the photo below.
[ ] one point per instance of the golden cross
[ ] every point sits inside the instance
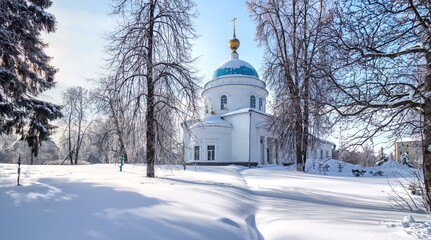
(233, 21)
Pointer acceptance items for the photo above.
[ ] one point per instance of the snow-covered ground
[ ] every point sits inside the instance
(232, 202)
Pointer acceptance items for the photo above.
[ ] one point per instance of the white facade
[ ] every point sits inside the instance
(234, 129)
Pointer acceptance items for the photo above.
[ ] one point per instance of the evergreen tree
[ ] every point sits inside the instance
(25, 70)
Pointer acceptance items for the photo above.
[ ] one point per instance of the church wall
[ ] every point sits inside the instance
(186, 142)
(239, 137)
(256, 134)
(220, 137)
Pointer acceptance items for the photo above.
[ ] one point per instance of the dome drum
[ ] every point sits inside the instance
(235, 81)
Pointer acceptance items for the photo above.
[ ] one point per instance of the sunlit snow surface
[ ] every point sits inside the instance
(232, 202)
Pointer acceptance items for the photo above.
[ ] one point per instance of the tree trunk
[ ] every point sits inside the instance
(119, 132)
(80, 119)
(150, 133)
(298, 147)
(123, 148)
(150, 119)
(70, 140)
(427, 135)
(298, 134)
(78, 141)
(305, 120)
(427, 153)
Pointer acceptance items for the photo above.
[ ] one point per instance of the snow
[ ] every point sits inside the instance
(408, 219)
(406, 139)
(235, 63)
(340, 168)
(230, 202)
(244, 110)
(212, 120)
(418, 230)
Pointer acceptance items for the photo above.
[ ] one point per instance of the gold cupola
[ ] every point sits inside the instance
(234, 43)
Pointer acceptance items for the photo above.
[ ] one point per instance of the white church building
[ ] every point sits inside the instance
(235, 127)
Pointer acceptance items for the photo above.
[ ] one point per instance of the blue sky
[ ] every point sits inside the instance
(77, 47)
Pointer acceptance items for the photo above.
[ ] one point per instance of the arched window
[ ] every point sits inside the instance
(260, 104)
(252, 101)
(223, 102)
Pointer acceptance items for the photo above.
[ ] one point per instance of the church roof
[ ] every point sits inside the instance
(244, 110)
(212, 121)
(235, 67)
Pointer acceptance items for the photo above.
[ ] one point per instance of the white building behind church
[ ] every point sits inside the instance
(235, 128)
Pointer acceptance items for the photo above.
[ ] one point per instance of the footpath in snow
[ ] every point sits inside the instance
(99, 202)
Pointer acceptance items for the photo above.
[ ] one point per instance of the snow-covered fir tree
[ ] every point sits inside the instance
(25, 70)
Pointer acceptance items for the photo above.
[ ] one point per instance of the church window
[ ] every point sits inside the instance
(252, 101)
(223, 102)
(260, 104)
(211, 152)
(197, 152)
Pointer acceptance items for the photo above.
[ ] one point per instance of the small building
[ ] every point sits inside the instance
(235, 126)
(410, 148)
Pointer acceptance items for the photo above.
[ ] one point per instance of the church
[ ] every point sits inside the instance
(235, 126)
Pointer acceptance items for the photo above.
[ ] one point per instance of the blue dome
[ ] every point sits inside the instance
(235, 67)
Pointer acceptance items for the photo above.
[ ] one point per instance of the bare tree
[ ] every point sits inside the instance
(103, 144)
(77, 105)
(152, 66)
(291, 32)
(121, 124)
(363, 155)
(383, 71)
